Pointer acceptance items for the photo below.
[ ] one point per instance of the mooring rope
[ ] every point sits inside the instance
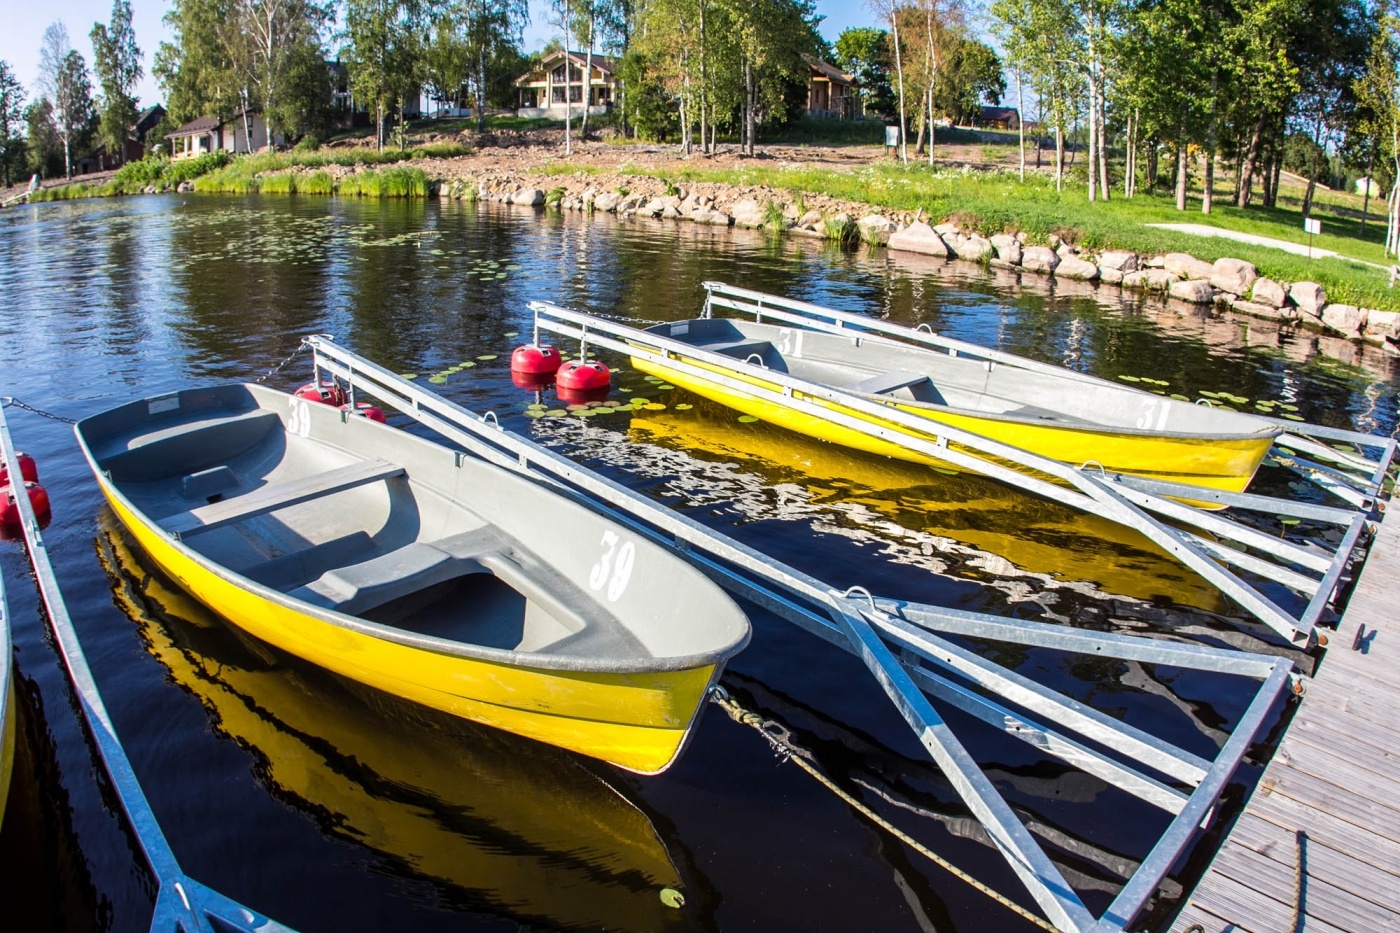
(301, 347)
(780, 738)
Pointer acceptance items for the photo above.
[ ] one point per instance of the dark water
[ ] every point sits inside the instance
(329, 806)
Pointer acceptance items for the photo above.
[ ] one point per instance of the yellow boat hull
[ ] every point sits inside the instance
(579, 711)
(1226, 464)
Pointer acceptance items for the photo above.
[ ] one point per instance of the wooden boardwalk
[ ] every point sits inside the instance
(1331, 795)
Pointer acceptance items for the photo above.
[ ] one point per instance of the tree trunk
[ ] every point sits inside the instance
(568, 83)
(1152, 166)
(1366, 198)
(1212, 141)
(588, 74)
(1103, 142)
(67, 159)
(899, 74)
(1313, 165)
(1093, 133)
(1251, 157)
(1059, 158)
(481, 88)
(1181, 173)
(379, 126)
(749, 99)
(1021, 122)
(704, 81)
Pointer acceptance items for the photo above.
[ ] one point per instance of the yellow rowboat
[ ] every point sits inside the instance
(1007, 528)
(418, 570)
(505, 825)
(1056, 414)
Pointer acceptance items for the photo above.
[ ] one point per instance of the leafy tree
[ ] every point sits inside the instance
(385, 54)
(972, 73)
(63, 80)
(117, 61)
(864, 53)
(12, 148)
(42, 143)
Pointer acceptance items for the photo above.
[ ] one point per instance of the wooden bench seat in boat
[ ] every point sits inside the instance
(582, 626)
(277, 496)
(884, 383)
(193, 443)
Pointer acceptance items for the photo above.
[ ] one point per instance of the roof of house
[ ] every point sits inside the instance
(829, 71)
(196, 127)
(604, 63)
(149, 117)
(999, 113)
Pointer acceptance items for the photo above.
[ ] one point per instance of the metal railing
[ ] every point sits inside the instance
(907, 648)
(182, 903)
(1217, 543)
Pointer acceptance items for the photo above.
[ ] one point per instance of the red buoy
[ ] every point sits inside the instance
(328, 393)
(535, 359)
(9, 508)
(583, 375)
(28, 469)
(366, 410)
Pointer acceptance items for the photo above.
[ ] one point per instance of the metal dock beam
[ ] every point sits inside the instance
(183, 905)
(905, 648)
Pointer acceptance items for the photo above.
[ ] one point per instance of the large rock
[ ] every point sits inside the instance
(946, 230)
(1008, 248)
(1186, 266)
(1308, 296)
(1268, 292)
(1382, 326)
(1110, 276)
(875, 229)
(654, 207)
(973, 248)
(1076, 268)
(1039, 259)
(919, 237)
(1118, 260)
(748, 213)
(631, 203)
(1136, 280)
(708, 215)
(1234, 276)
(1196, 291)
(530, 197)
(1347, 320)
(607, 201)
(812, 218)
(1159, 280)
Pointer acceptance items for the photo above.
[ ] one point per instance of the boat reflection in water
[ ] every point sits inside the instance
(500, 823)
(950, 522)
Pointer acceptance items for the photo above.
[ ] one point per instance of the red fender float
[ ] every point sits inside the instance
(9, 506)
(583, 376)
(29, 470)
(327, 393)
(535, 360)
(366, 410)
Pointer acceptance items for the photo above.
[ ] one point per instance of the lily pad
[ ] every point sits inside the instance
(408, 375)
(665, 388)
(604, 410)
(655, 406)
(1130, 378)
(486, 356)
(1179, 397)
(1292, 417)
(747, 419)
(672, 898)
(437, 380)
(639, 400)
(465, 364)
(511, 333)
(684, 407)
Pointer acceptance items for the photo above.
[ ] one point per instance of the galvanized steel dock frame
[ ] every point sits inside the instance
(182, 905)
(1213, 545)
(912, 652)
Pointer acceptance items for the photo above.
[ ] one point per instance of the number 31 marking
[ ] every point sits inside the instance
(614, 566)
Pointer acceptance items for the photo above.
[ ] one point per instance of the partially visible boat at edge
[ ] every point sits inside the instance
(419, 570)
(1058, 414)
(7, 702)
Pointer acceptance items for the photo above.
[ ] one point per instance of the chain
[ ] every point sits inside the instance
(780, 738)
(6, 401)
(284, 364)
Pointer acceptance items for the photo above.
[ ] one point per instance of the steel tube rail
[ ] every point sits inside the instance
(1129, 902)
(793, 596)
(1090, 493)
(181, 902)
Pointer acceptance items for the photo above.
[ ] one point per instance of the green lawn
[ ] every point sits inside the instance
(1000, 202)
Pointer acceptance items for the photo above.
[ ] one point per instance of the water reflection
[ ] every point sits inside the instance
(497, 823)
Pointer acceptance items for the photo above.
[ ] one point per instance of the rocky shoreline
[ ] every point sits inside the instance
(1226, 284)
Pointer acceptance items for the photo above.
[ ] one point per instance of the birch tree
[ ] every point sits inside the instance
(117, 61)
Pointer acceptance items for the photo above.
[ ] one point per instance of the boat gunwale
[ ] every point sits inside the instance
(540, 661)
(1267, 431)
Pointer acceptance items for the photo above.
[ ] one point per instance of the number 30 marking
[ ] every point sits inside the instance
(616, 574)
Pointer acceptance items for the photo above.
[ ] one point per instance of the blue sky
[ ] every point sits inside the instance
(25, 22)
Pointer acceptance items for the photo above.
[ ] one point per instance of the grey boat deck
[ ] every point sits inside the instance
(1331, 792)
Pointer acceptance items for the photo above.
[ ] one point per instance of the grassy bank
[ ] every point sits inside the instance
(273, 173)
(997, 202)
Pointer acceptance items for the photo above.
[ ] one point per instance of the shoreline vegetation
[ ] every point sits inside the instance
(981, 213)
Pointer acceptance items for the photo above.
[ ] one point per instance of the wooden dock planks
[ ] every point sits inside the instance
(1331, 792)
